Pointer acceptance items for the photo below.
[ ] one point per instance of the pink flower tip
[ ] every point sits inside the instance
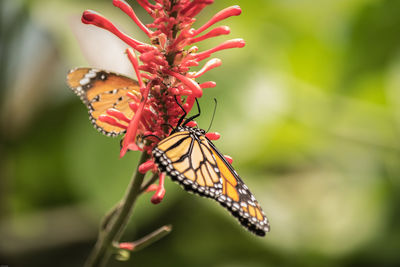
(239, 43)
(234, 10)
(228, 159)
(213, 63)
(223, 14)
(145, 167)
(213, 136)
(158, 196)
(160, 190)
(209, 84)
(91, 17)
(127, 246)
(191, 124)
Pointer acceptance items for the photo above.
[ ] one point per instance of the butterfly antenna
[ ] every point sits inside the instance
(194, 116)
(212, 119)
(184, 112)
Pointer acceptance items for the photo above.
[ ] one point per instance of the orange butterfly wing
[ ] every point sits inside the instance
(101, 90)
(238, 199)
(190, 163)
(193, 161)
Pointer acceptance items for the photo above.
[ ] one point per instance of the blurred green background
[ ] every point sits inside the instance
(309, 110)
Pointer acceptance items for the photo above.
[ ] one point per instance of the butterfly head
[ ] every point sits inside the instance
(195, 131)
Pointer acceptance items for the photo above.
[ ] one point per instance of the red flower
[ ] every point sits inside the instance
(163, 74)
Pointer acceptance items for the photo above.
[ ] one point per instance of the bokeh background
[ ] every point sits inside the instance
(309, 110)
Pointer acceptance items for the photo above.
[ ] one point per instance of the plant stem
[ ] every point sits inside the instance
(152, 237)
(146, 240)
(116, 223)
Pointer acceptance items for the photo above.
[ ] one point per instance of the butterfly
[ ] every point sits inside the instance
(101, 90)
(193, 161)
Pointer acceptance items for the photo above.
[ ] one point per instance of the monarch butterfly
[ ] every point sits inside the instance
(192, 160)
(101, 90)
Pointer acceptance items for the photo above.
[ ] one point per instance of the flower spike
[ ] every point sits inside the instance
(162, 66)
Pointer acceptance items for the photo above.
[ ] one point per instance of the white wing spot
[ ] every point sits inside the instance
(235, 206)
(91, 74)
(84, 81)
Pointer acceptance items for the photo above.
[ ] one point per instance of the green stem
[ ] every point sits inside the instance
(148, 239)
(151, 238)
(116, 225)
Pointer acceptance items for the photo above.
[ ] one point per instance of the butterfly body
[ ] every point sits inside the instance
(193, 161)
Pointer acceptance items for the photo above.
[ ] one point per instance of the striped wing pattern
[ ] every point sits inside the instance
(192, 160)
